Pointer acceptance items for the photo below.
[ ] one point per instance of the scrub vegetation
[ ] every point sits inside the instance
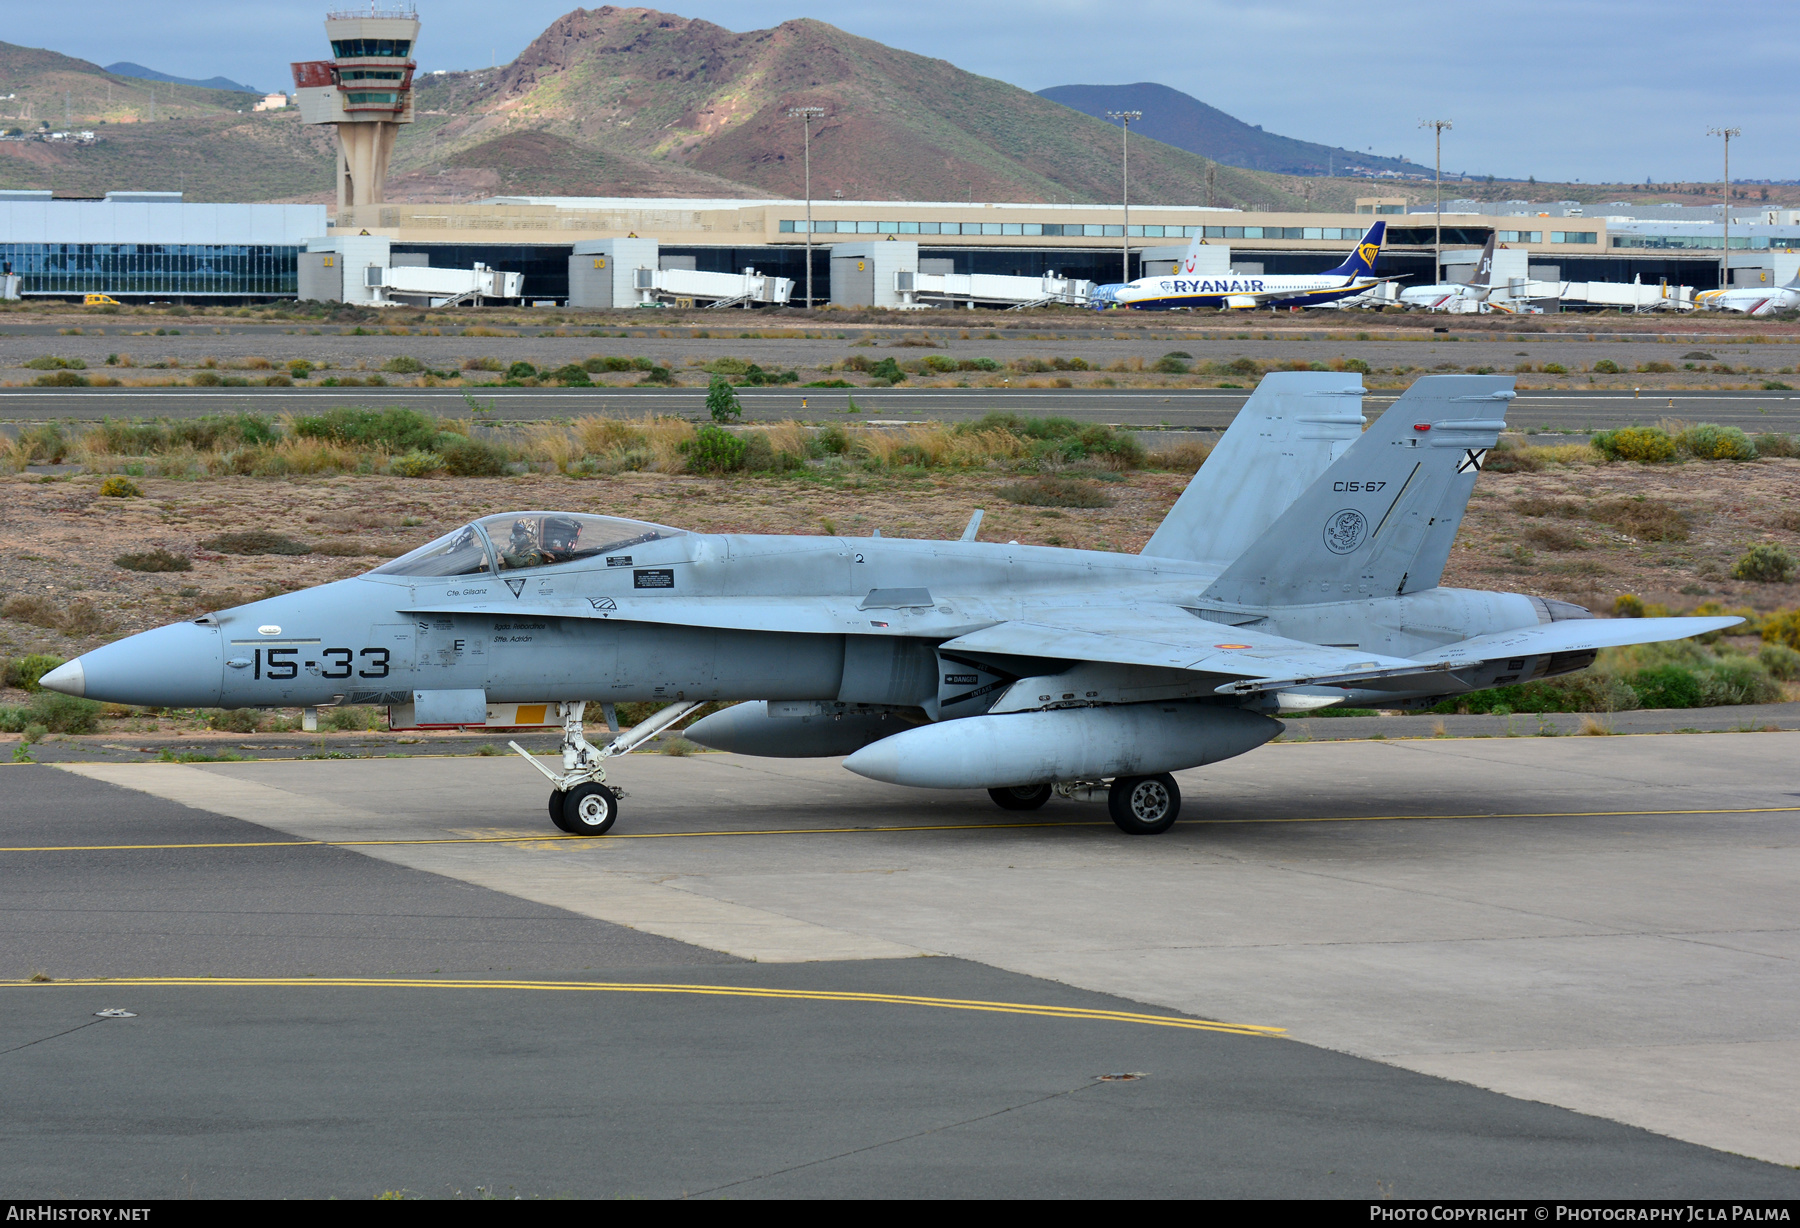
(405, 443)
(1683, 674)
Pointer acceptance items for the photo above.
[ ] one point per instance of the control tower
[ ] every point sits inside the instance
(366, 90)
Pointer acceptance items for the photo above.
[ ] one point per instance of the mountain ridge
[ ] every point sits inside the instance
(1185, 122)
(125, 68)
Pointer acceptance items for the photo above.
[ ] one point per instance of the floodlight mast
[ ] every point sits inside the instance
(805, 115)
(1437, 194)
(1125, 118)
(1725, 252)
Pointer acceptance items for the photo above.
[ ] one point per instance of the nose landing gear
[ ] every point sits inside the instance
(580, 803)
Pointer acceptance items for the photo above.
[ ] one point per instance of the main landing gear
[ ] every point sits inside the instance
(1139, 805)
(580, 802)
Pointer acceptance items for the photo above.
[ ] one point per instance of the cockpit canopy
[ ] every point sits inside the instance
(516, 541)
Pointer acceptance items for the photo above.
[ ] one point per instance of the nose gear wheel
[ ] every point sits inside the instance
(580, 803)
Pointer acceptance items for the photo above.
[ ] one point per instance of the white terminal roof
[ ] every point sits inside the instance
(141, 221)
(819, 202)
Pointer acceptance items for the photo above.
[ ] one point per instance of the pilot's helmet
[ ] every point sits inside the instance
(560, 533)
(522, 534)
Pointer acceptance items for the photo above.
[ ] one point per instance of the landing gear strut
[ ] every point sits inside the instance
(581, 804)
(1020, 797)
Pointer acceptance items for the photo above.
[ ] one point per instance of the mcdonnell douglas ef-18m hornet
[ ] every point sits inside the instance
(1186, 288)
(1299, 569)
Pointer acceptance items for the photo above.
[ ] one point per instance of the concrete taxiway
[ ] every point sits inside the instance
(1497, 966)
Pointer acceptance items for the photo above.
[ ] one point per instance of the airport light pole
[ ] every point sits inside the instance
(1437, 194)
(806, 115)
(1125, 118)
(1725, 255)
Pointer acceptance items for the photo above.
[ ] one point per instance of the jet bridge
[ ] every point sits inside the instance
(693, 288)
(989, 290)
(629, 272)
(417, 286)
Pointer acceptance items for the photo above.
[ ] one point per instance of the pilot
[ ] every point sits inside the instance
(522, 549)
(559, 538)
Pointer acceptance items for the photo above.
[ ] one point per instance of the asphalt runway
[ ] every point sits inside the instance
(1183, 409)
(1555, 967)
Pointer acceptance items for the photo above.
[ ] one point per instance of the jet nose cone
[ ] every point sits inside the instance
(178, 666)
(69, 678)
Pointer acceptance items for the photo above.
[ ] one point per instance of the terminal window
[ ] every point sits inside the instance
(1519, 236)
(1091, 230)
(1574, 236)
(154, 268)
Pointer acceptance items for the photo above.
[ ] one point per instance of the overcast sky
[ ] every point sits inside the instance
(1591, 90)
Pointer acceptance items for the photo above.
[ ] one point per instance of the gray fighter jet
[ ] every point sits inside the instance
(1298, 570)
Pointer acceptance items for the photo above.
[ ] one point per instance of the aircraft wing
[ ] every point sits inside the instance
(1170, 637)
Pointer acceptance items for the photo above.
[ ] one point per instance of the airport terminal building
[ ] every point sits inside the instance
(154, 245)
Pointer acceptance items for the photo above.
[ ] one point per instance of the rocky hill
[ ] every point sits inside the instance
(637, 102)
(652, 88)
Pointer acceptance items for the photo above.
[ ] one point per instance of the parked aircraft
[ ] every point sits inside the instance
(1445, 295)
(1187, 288)
(1300, 569)
(1752, 300)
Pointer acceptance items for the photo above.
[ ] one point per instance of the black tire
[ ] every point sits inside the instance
(1144, 805)
(557, 797)
(1020, 797)
(589, 810)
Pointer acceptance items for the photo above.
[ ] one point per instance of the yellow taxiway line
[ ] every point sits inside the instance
(893, 829)
(719, 991)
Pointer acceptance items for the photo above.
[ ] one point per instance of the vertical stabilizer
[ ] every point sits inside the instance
(1380, 521)
(1483, 273)
(1361, 262)
(1289, 432)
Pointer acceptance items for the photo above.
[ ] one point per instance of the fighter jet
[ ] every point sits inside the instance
(1300, 569)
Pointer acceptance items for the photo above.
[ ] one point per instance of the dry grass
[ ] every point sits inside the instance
(664, 436)
(1564, 454)
(1552, 537)
(558, 445)
(789, 438)
(1184, 457)
(600, 435)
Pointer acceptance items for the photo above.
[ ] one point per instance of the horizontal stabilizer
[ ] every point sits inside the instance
(1576, 635)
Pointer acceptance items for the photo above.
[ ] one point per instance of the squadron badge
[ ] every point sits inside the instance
(1345, 530)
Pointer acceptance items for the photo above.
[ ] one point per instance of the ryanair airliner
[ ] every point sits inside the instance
(1185, 288)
